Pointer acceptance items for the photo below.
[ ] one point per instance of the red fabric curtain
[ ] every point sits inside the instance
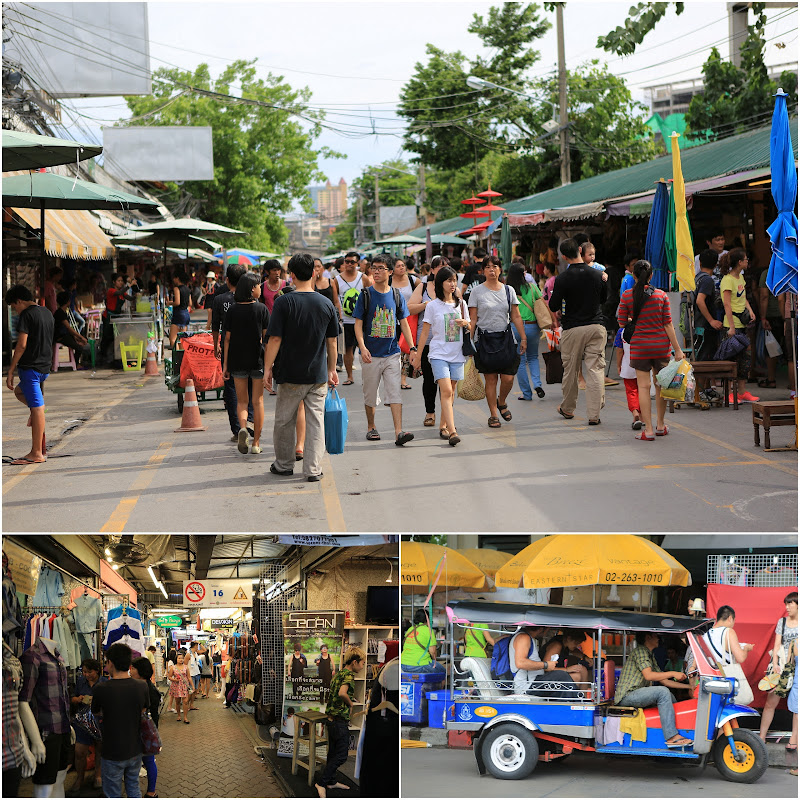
(758, 610)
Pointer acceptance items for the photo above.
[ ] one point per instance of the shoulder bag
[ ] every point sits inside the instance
(151, 739)
(630, 328)
(744, 694)
(497, 350)
(539, 308)
(467, 345)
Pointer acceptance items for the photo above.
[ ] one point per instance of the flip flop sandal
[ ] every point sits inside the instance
(444, 433)
(636, 425)
(662, 432)
(494, 422)
(765, 384)
(348, 382)
(19, 462)
(643, 437)
(791, 747)
(680, 743)
(565, 415)
(504, 413)
(403, 437)
(373, 435)
(522, 397)
(405, 387)
(298, 455)
(429, 422)
(594, 421)
(454, 439)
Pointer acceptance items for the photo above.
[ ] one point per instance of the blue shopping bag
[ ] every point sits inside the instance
(335, 423)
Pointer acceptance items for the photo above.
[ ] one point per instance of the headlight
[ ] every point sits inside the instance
(720, 685)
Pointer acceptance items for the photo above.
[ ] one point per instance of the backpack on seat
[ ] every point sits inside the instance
(501, 664)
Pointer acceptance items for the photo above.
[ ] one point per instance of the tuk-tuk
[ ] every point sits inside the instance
(513, 730)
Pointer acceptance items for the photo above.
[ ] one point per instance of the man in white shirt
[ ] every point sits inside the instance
(194, 673)
(715, 242)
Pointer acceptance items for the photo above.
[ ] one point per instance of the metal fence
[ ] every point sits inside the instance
(754, 569)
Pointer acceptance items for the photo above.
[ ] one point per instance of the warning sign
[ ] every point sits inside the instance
(223, 594)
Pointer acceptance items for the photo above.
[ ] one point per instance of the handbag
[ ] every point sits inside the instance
(335, 420)
(87, 721)
(630, 328)
(497, 350)
(540, 310)
(553, 365)
(744, 694)
(467, 345)
(471, 387)
(151, 739)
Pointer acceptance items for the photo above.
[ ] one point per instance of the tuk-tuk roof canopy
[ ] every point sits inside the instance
(570, 617)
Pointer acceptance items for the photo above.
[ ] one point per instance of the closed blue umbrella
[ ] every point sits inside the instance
(782, 275)
(655, 246)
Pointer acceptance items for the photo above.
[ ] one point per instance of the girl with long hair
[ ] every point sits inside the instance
(650, 343)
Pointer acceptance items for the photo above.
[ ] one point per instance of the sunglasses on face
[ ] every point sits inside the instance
(350, 261)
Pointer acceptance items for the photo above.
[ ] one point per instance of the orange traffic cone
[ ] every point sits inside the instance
(151, 366)
(191, 410)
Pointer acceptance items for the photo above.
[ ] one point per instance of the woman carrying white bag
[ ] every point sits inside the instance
(729, 653)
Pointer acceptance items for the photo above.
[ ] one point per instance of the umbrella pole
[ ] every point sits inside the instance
(793, 332)
(43, 275)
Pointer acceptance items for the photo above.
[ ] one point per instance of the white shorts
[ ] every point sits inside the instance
(390, 370)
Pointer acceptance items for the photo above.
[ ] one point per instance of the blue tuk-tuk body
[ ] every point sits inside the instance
(513, 730)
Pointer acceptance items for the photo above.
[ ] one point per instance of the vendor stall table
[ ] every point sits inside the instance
(772, 413)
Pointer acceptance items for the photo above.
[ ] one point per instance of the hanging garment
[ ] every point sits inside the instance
(49, 589)
(87, 613)
(13, 747)
(636, 726)
(45, 688)
(119, 611)
(13, 626)
(130, 625)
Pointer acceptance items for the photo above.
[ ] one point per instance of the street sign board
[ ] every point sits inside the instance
(171, 621)
(222, 623)
(236, 593)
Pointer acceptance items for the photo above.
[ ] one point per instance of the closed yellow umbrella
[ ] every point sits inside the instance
(589, 559)
(420, 561)
(684, 267)
(489, 561)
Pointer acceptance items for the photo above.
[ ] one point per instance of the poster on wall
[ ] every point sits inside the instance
(24, 566)
(312, 648)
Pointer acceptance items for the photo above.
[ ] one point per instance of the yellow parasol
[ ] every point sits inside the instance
(684, 266)
(420, 562)
(488, 561)
(589, 559)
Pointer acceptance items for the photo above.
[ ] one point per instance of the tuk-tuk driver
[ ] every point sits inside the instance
(635, 687)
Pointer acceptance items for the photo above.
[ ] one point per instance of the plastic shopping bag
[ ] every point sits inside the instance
(553, 339)
(335, 423)
(679, 383)
(772, 345)
(665, 375)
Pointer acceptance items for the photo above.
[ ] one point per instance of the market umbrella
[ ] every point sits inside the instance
(655, 245)
(187, 227)
(590, 559)
(782, 274)
(440, 238)
(428, 244)
(472, 201)
(505, 244)
(489, 561)
(402, 238)
(241, 258)
(490, 193)
(45, 190)
(420, 562)
(684, 250)
(32, 151)
(474, 214)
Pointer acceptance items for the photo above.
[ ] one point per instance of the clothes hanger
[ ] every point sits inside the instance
(387, 704)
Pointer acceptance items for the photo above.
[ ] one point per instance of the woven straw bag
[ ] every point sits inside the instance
(472, 386)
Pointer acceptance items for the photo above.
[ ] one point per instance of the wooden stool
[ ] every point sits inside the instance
(313, 718)
(772, 413)
(716, 370)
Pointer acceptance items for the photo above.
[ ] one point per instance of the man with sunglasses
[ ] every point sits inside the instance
(351, 284)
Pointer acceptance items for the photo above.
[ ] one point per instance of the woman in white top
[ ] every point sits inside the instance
(445, 319)
(723, 641)
(526, 663)
(405, 284)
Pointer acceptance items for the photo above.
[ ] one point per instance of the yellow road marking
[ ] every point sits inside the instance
(330, 497)
(25, 471)
(707, 502)
(119, 517)
(708, 464)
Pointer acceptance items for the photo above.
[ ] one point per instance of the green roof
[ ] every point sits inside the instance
(747, 151)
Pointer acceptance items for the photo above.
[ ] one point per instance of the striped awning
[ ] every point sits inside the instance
(69, 234)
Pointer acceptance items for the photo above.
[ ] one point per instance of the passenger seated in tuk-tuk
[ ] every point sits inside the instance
(570, 657)
(531, 670)
(635, 687)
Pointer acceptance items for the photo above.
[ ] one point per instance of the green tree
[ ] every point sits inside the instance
(641, 19)
(264, 159)
(450, 126)
(735, 99)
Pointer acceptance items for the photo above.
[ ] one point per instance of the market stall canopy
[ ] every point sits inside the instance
(188, 225)
(70, 234)
(33, 151)
(420, 562)
(489, 561)
(570, 617)
(48, 190)
(442, 239)
(402, 238)
(590, 559)
(158, 242)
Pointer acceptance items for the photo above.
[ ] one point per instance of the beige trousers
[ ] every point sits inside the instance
(586, 343)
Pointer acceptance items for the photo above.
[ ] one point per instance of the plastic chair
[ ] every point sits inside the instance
(131, 356)
(63, 362)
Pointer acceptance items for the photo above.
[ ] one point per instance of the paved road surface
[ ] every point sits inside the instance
(438, 772)
(122, 467)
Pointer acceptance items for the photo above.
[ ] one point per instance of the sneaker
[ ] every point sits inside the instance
(539, 392)
(746, 397)
(244, 441)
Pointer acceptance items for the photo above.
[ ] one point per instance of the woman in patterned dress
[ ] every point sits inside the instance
(179, 686)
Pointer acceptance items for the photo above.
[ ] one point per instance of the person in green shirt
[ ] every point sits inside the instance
(419, 646)
(527, 294)
(340, 707)
(476, 638)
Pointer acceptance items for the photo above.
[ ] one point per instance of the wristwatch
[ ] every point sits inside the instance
(414, 349)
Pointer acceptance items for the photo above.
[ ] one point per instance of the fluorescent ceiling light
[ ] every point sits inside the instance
(163, 591)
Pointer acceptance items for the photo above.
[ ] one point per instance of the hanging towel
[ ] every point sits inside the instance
(636, 726)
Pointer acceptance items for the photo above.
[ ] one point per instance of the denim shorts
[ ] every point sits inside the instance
(180, 316)
(30, 382)
(447, 369)
(255, 374)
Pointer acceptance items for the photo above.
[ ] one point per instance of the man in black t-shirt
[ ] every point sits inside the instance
(32, 360)
(119, 703)
(302, 335)
(220, 304)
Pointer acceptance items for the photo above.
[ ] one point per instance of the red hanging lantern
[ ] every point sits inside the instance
(474, 214)
(472, 201)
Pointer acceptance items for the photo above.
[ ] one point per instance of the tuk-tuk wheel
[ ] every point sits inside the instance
(510, 751)
(180, 402)
(754, 760)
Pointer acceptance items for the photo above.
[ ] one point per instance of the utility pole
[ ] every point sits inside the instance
(377, 209)
(562, 97)
(360, 217)
(423, 216)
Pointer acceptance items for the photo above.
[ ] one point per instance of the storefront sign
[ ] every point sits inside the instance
(313, 653)
(224, 594)
(326, 540)
(222, 623)
(169, 622)
(25, 567)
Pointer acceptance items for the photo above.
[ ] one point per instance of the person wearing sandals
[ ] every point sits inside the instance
(243, 356)
(445, 319)
(653, 335)
(493, 306)
(784, 657)
(179, 686)
(528, 294)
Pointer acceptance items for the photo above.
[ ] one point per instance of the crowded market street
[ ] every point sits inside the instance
(121, 466)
